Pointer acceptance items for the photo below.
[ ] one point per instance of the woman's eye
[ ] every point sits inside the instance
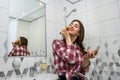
(76, 26)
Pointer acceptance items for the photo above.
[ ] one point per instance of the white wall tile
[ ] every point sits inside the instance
(67, 5)
(59, 4)
(119, 7)
(80, 6)
(51, 29)
(9, 63)
(112, 46)
(51, 16)
(3, 37)
(78, 15)
(50, 3)
(97, 3)
(106, 28)
(50, 11)
(53, 34)
(59, 28)
(60, 16)
(4, 3)
(3, 51)
(1, 63)
(46, 1)
(3, 28)
(3, 19)
(6, 66)
(24, 64)
(49, 46)
(30, 61)
(103, 13)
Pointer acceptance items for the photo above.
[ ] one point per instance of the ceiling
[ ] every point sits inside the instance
(27, 10)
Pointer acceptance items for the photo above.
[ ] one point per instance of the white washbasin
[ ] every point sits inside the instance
(46, 76)
(42, 76)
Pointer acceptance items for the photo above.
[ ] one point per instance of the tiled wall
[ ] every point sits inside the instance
(3, 30)
(19, 68)
(101, 19)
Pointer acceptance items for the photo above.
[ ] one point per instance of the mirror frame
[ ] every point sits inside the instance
(45, 37)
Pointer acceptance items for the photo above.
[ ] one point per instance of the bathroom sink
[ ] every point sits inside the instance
(43, 76)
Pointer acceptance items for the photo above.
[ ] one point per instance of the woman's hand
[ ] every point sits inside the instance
(65, 33)
(66, 36)
(91, 54)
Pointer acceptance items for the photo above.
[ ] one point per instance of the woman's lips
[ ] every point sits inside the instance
(70, 29)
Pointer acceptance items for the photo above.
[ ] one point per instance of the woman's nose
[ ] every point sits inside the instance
(72, 26)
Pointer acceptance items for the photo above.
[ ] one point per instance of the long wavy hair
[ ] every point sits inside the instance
(80, 38)
(24, 41)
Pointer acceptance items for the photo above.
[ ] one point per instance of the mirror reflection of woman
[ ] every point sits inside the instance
(19, 47)
(70, 59)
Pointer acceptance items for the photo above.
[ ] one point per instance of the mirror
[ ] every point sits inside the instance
(27, 18)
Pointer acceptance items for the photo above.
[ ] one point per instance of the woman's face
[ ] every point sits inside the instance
(74, 28)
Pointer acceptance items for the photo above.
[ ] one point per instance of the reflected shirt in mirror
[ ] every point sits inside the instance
(19, 51)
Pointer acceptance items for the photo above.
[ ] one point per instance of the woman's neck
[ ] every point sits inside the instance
(73, 38)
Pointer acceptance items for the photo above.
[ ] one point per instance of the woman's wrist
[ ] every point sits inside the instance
(86, 63)
(68, 41)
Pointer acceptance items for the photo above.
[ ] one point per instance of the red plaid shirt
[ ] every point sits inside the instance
(19, 51)
(68, 59)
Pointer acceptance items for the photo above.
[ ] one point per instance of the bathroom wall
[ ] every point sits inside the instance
(3, 30)
(101, 19)
(3, 25)
(18, 68)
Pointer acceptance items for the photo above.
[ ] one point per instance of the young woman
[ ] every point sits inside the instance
(20, 47)
(70, 59)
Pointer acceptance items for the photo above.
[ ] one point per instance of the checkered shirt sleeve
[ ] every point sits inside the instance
(19, 51)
